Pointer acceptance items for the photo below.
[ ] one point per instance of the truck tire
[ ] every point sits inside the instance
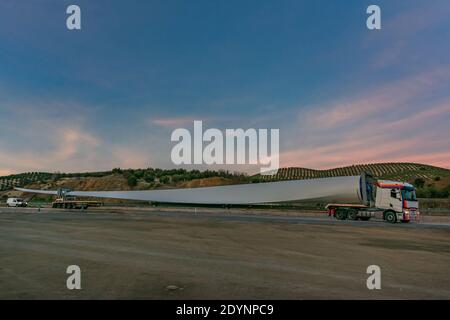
(352, 214)
(390, 216)
(341, 214)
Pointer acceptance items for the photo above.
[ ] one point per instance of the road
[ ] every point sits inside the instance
(172, 253)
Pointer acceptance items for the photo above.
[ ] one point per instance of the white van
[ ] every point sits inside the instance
(16, 202)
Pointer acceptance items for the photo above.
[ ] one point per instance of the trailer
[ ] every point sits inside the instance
(65, 201)
(75, 204)
(348, 197)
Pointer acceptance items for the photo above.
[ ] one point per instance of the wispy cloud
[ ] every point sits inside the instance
(389, 97)
(47, 141)
(173, 122)
(85, 110)
(394, 122)
(402, 31)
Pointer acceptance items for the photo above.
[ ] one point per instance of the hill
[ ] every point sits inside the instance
(118, 179)
(433, 182)
(394, 171)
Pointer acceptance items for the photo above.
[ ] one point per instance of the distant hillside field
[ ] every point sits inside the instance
(432, 182)
(394, 171)
(118, 179)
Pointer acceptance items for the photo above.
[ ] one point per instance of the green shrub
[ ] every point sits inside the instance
(419, 183)
(132, 181)
(164, 179)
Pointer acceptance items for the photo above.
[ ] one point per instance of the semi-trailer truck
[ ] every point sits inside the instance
(395, 200)
(348, 197)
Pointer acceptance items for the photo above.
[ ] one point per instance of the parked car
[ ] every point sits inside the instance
(16, 202)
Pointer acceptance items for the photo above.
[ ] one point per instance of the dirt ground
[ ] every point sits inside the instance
(171, 254)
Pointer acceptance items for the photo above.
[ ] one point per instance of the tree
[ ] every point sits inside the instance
(132, 181)
(149, 177)
(419, 183)
(164, 179)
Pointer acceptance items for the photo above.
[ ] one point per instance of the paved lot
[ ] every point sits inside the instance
(212, 253)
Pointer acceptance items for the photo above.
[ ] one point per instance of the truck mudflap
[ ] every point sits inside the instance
(405, 217)
(331, 212)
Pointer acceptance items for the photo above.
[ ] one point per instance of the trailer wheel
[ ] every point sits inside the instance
(352, 214)
(390, 216)
(341, 214)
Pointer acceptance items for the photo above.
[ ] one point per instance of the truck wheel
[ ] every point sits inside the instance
(352, 214)
(340, 214)
(390, 217)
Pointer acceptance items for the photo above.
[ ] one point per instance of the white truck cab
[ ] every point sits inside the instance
(16, 202)
(397, 200)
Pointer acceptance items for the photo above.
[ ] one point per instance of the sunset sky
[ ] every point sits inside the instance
(111, 94)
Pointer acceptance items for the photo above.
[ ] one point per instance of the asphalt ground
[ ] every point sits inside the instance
(177, 253)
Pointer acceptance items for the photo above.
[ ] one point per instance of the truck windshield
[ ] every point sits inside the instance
(409, 195)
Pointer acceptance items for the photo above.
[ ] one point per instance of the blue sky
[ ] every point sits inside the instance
(111, 94)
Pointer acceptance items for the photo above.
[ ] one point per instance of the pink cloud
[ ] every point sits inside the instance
(129, 157)
(395, 122)
(74, 141)
(373, 144)
(72, 149)
(388, 97)
(5, 172)
(349, 152)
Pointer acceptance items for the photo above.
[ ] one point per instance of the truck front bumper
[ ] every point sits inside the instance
(410, 214)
